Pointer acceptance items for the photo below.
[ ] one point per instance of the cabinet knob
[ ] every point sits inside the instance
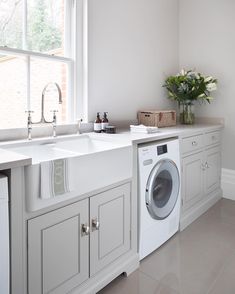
(207, 165)
(85, 230)
(95, 224)
(194, 143)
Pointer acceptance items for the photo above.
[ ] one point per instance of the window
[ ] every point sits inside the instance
(37, 40)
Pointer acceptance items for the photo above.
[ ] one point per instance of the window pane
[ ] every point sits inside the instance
(11, 12)
(12, 92)
(44, 72)
(46, 26)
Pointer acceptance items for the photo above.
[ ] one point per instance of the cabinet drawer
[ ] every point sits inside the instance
(212, 138)
(191, 144)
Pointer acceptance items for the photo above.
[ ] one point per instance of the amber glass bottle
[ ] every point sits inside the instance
(105, 122)
(97, 124)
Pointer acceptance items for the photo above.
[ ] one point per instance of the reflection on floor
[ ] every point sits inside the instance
(199, 260)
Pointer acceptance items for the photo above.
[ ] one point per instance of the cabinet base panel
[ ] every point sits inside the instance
(127, 264)
(188, 217)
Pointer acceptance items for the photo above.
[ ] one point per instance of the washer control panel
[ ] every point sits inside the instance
(162, 149)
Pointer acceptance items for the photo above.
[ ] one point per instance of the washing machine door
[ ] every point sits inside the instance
(162, 190)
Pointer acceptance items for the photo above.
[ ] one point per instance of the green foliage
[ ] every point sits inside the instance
(190, 86)
(44, 36)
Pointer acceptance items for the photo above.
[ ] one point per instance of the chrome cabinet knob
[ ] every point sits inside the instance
(207, 165)
(194, 143)
(85, 230)
(95, 224)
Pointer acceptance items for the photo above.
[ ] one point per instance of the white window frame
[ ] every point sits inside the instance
(75, 49)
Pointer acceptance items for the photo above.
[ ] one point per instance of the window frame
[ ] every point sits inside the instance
(75, 35)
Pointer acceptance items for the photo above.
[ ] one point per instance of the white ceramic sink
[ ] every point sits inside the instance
(64, 148)
(94, 162)
(40, 153)
(86, 145)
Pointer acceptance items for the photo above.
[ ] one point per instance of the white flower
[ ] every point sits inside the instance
(208, 79)
(183, 72)
(202, 96)
(211, 87)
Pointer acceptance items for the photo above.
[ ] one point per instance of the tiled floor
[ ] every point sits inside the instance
(199, 260)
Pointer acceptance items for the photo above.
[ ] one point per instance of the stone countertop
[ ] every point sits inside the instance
(164, 133)
(9, 159)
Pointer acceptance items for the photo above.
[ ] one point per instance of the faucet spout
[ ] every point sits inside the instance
(43, 120)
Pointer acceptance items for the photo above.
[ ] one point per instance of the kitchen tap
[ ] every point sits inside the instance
(42, 119)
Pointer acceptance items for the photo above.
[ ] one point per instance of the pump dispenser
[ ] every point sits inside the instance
(97, 124)
(105, 122)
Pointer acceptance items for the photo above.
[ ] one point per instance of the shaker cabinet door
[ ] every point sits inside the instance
(110, 226)
(213, 169)
(58, 257)
(192, 179)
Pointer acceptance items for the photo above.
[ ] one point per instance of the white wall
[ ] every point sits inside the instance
(207, 42)
(133, 46)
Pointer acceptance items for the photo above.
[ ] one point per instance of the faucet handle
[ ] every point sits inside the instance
(29, 124)
(29, 112)
(29, 115)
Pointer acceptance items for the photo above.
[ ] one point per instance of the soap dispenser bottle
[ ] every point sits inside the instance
(97, 124)
(105, 122)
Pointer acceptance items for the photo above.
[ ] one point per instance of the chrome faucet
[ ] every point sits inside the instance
(43, 120)
(29, 124)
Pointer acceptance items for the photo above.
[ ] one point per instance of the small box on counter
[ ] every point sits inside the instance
(157, 118)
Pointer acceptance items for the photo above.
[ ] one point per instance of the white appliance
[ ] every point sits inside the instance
(4, 236)
(159, 193)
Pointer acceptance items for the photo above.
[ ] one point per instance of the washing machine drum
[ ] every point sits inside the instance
(162, 190)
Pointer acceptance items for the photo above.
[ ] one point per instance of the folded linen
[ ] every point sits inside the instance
(55, 178)
(143, 129)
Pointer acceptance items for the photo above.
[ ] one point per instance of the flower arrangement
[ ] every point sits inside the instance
(187, 87)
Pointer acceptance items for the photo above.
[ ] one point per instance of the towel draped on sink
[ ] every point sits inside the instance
(55, 178)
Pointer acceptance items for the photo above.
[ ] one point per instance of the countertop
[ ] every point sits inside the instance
(164, 133)
(9, 159)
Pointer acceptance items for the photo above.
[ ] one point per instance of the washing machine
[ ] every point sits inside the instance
(159, 193)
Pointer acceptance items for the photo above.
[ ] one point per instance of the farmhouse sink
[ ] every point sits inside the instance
(63, 148)
(94, 163)
(86, 145)
(40, 153)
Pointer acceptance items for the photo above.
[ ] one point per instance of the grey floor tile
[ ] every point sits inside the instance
(192, 260)
(223, 211)
(136, 283)
(225, 283)
(199, 260)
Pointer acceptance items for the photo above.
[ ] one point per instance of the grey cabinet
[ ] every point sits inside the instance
(201, 174)
(110, 227)
(213, 169)
(192, 179)
(58, 257)
(71, 244)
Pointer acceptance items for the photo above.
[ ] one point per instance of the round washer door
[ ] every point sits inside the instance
(162, 190)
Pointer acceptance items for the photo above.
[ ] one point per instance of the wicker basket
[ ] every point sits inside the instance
(157, 118)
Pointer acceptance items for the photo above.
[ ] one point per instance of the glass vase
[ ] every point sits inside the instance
(187, 116)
